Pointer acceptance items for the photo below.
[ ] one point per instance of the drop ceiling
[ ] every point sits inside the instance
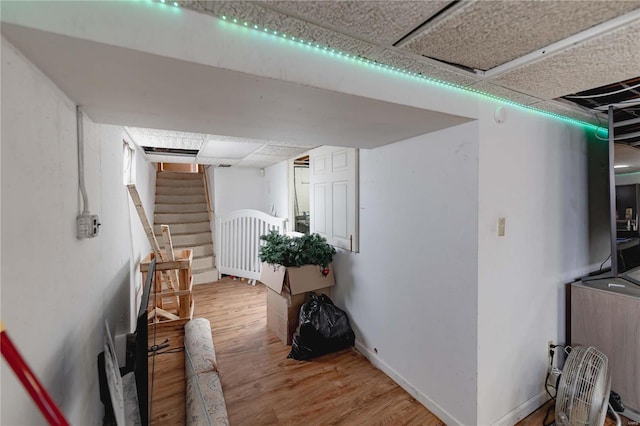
(623, 98)
(212, 149)
(530, 52)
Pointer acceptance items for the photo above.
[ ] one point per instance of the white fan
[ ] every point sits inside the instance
(582, 396)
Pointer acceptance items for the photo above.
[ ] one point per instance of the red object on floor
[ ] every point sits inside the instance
(47, 407)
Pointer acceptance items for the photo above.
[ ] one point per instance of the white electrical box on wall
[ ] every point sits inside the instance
(87, 225)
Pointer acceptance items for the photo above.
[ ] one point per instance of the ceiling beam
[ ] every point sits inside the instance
(627, 122)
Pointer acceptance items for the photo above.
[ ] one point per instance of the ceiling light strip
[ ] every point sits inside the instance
(389, 68)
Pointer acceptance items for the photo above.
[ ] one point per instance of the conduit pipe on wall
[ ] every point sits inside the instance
(80, 130)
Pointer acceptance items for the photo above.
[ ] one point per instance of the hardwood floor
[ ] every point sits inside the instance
(263, 387)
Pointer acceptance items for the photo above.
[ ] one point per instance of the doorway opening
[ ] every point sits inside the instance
(299, 194)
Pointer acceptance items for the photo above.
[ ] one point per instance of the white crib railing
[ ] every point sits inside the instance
(238, 241)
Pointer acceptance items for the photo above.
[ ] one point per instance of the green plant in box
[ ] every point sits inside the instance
(296, 251)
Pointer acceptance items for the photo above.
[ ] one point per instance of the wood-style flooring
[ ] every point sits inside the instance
(263, 387)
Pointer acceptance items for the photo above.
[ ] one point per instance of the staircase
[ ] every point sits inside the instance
(181, 203)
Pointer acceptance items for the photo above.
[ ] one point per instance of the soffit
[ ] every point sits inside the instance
(494, 32)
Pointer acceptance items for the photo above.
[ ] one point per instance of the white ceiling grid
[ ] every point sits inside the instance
(484, 34)
(610, 58)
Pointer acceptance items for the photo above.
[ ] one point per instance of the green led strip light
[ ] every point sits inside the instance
(174, 3)
(400, 71)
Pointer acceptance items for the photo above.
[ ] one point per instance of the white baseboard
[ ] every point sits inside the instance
(431, 405)
(631, 414)
(523, 410)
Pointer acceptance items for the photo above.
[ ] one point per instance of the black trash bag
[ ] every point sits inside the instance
(323, 328)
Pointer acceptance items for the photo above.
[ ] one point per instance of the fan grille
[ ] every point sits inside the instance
(583, 389)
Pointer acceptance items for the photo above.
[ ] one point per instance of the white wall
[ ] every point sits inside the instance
(533, 172)
(58, 290)
(277, 189)
(411, 291)
(238, 188)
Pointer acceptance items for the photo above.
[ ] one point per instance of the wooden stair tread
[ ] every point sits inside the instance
(179, 183)
(179, 175)
(185, 246)
(177, 190)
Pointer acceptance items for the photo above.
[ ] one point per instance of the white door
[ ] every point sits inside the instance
(333, 195)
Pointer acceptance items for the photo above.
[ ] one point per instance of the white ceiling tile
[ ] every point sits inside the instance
(261, 141)
(262, 158)
(218, 161)
(258, 163)
(381, 22)
(280, 151)
(166, 138)
(272, 19)
(169, 133)
(216, 148)
(485, 34)
(604, 60)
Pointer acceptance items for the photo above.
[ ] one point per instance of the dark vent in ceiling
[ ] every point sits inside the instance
(170, 151)
(224, 165)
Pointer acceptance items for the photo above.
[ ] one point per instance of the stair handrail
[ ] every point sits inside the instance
(206, 194)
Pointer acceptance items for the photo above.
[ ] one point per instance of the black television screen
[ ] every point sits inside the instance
(136, 359)
(137, 347)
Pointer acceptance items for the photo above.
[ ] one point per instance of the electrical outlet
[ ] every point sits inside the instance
(87, 225)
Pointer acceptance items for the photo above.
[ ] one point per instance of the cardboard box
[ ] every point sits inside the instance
(283, 312)
(287, 290)
(297, 279)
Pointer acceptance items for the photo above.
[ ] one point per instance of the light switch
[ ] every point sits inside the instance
(501, 223)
